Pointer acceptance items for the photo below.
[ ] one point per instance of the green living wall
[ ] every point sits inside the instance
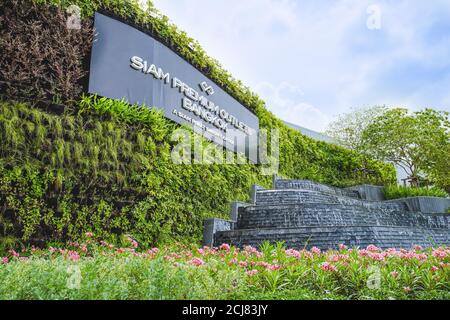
(70, 164)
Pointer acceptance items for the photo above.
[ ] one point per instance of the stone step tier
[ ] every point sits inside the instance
(303, 214)
(330, 237)
(327, 215)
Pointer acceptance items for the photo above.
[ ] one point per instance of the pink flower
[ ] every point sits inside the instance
(439, 253)
(273, 267)
(333, 258)
(5, 260)
(225, 247)
(74, 256)
(307, 254)
(133, 242)
(373, 248)
(52, 250)
(197, 262)
(376, 256)
(363, 253)
(422, 257)
(338, 257)
(201, 252)
(13, 253)
(342, 247)
(175, 255)
(292, 253)
(252, 273)
(250, 249)
(262, 264)
(407, 255)
(89, 234)
(394, 274)
(315, 250)
(326, 266)
(243, 264)
(434, 269)
(407, 289)
(418, 248)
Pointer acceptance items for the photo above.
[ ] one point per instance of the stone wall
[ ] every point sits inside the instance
(330, 237)
(303, 213)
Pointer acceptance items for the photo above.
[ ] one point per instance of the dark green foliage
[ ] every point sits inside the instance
(396, 192)
(41, 60)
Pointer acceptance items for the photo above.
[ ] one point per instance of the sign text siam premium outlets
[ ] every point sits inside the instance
(129, 64)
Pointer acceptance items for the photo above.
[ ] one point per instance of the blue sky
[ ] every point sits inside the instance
(313, 59)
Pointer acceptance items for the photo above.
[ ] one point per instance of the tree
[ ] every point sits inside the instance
(417, 142)
(349, 127)
(348, 130)
(435, 144)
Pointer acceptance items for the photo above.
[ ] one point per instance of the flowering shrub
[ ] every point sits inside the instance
(107, 271)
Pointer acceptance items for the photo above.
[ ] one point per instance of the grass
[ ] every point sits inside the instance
(92, 270)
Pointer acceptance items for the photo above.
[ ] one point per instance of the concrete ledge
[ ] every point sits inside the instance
(369, 192)
(426, 205)
(234, 212)
(308, 185)
(211, 226)
(253, 191)
(330, 237)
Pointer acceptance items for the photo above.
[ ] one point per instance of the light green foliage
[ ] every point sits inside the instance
(106, 171)
(348, 128)
(418, 142)
(396, 192)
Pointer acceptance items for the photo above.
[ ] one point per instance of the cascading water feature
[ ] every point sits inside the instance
(303, 214)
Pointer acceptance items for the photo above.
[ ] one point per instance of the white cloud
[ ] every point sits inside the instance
(325, 48)
(286, 101)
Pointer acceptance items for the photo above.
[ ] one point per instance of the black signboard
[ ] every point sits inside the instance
(129, 64)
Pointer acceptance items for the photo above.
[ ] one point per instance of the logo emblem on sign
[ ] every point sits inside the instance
(207, 88)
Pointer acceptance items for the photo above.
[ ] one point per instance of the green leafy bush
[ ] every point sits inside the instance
(63, 175)
(396, 192)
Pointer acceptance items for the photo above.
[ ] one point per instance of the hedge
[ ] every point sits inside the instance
(71, 174)
(71, 165)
